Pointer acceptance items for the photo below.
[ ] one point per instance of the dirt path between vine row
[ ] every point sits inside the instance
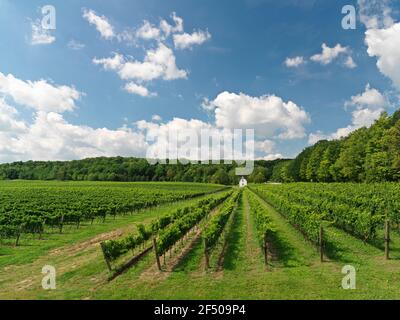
(88, 243)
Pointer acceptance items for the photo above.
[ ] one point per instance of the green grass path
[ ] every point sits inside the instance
(290, 246)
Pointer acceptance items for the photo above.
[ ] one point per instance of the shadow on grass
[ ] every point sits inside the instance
(234, 238)
(283, 251)
(192, 259)
(334, 251)
(394, 245)
(377, 243)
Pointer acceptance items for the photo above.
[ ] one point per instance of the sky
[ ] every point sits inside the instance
(112, 72)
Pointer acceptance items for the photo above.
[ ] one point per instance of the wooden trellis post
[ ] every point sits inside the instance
(387, 239)
(321, 243)
(105, 257)
(266, 248)
(61, 223)
(206, 255)
(156, 253)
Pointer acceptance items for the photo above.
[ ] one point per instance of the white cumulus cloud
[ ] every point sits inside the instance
(140, 90)
(168, 29)
(39, 95)
(271, 157)
(187, 41)
(329, 54)
(159, 63)
(269, 115)
(349, 63)
(51, 137)
(101, 23)
(370, 98)
(384, 44)
(147, 31)
(112, 63)
(156, 118)
(294, 62)
(266, 146)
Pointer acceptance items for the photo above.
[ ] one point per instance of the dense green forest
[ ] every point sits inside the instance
(131, 169)
(366, 155)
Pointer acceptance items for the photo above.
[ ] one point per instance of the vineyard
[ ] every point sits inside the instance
(34, 208)
(360, 209)
(179, 241)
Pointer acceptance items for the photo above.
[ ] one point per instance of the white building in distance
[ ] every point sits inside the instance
(242, 183)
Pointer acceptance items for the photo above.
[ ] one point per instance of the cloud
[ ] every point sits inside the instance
(8, 119)
(187, 41)
(328, 54)
(39, 95)
(271, 157)
(159, 63)
(156, 118)
(349, 63)
(148, 32)
(168, 29)
(142, 91)
(189, 139)
(382, 37)
(101, 23)
(370, 98)
(112, 63)
(75, 45)
(360, 118)
(384, 44)
(51, 137)
(375, 14)
(365, 117)
(369, 106)
(48, 136)
(294, 62)
(40, 35)
(266, 146)
(269, 115)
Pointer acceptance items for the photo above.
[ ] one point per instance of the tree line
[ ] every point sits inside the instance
(131, 169)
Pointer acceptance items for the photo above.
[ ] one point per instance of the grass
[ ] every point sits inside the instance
(295, 271)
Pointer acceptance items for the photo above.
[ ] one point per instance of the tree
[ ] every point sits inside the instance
(377, 158)
(391, 144)
(350, 164)
(330, 155)
(220, 177)
(314, 160)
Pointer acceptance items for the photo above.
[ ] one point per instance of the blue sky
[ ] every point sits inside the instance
(244, 49)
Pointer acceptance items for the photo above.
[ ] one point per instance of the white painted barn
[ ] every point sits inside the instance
(242, 182)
